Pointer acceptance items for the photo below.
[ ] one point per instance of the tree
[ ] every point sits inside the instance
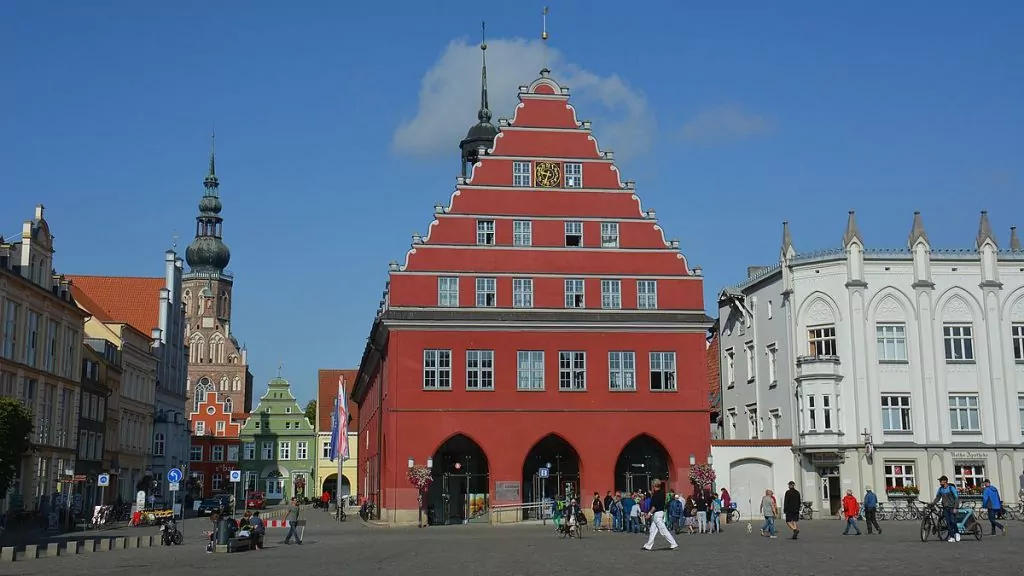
(311, 412)
(15, 431)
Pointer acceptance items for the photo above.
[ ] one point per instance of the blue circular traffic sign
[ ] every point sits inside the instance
(174, 475)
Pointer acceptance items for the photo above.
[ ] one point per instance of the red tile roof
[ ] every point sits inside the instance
(714, 364)
(131, 300)
(327, 389)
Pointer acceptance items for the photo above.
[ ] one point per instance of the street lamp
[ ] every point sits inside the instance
(69, 473)
(711, 460)
(693, 460)
(411, 462)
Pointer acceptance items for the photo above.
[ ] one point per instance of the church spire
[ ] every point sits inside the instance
(210, 182)
(207, 252)
(482, 134)
(484, 114)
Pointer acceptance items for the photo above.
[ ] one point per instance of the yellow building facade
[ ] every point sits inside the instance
(327, 471)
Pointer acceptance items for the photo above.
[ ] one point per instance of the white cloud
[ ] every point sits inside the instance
(450, 97)
(723, 124)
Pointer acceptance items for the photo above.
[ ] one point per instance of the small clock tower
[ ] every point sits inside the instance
(483, 132)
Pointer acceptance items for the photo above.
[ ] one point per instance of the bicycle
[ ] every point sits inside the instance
(806, 512)
(933, 523)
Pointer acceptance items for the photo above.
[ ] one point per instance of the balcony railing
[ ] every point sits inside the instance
(817, 366)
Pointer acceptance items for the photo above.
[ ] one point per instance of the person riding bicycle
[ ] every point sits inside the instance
(949, 499)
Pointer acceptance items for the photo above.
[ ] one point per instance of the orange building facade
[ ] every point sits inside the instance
(543, 322)
(215, 449)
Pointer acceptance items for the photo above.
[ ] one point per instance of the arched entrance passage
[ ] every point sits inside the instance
(460, 490)
(346, 486)
(561, 462)
(330, 484)
(641, 461)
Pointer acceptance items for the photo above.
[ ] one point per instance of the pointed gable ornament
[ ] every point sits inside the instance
(985, 232)
(852, 232)
(787, 241)
(917, 232)
(1014, 240)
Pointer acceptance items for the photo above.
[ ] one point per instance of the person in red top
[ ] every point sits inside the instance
(851, 508)
(325, 498)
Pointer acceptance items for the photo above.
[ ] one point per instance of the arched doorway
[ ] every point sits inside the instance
(460, 489)
(551, 470)
(346, 487)
(641, 461)
(330, 484)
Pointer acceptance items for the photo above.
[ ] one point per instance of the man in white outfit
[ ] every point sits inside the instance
(657, 518)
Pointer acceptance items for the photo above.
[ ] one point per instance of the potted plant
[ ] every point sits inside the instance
(702, 476)
(420, 477)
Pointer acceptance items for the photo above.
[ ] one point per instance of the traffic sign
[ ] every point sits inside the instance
(103, 480)
(543, 472)
(174, 475)
(174, 487)
(236, 475)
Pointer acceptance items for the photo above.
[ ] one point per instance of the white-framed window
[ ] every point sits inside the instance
(267, 448)
(769, 309)
(479, 369)
(437, 369)
(1017, 336)
(216, 481)
(574, 233)
(964, 415)
(647, 294)
(892, 342)
(232, 453)
(730, 367)
(274, 489)
(753, 425)
(899, 475)
(621, 371)
(611, 294)
(812, 413)
(301, 450)
(573, 174)
(748, 351)
(663, 371)
(1020, 412)
(775, 417)
(485, 232)
(325, 450)
(195, 454)
(284, 451)
(221, 428)
(821, 341)
(200, 428)
(486, 292)
(772, 352)
(969, 475)
(574, 293)
(959, 342)
(249, 451)
(521, 174)
(530, 370)
(896, 413)
(159, 441)
(217, 454)
(731, 418)
(448, 291)
(572, 371)
(609, 234)
(522, 233)
(827, 418)
(522, 293)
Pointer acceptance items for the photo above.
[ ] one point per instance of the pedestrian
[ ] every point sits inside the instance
(657, 519)
(598, 507)
(675, 514)
(851, 508)
(990, 500)
(769, 510)
(949, 499)
(617, 508)
(634, 514)
(871, 510)
(258, 530)
(701, 504)
(716, 513)
(293, 523)
(791, 508)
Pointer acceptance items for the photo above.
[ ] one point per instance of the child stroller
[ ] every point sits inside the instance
(571, 527)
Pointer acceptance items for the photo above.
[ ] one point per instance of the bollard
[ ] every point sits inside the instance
(73, 547)
(31, 552)
(53, 549)
(104, 544)
(154, 541)
(7, 554)
(131, 542)
(88, 546)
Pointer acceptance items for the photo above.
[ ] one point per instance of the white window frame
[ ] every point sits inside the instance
(572, 371)
(647, 294)
(249, 451)
(159, 441)
(968, 475)
(811, 409)
(753, 424)
(611, 294)
(448, 291)
(891, 340)
(574, 234)
(896, 413)
(325, 450)
(730, 367)
(195, 453)
(200, 428)
(522, 174)
(217, 453)
(731, 417)
(216, 481)
(575, 293)
(274, 488)
(772, 352)
(899, 474)
(530, 370)
(1017, 337)
(828, 415)
(961, 407)
(822, 341)
(479, 369)
(486, 292)
(664, 369)
(609, 234)
(267, 450)
(1020, 411)
(748, 352)
(958, 342)
(485, 232)
(622, 371)
(284, 450)
(437, 369)
(522, 292)
(233, 453)
(573, 172)
(775, 417)
(301, 450)
(522, 233)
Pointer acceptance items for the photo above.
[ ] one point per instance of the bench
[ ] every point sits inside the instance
(235, 545)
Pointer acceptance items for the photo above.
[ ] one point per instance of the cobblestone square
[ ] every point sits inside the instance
(354, 547)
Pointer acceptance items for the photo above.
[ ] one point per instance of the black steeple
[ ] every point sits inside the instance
(208, 253)
(483, 132)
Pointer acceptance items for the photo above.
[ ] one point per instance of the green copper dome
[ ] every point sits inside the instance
(207, 254)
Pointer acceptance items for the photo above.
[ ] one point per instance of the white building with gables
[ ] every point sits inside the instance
(885, 367)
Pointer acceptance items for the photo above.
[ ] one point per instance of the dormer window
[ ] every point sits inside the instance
(574, 234)
(521, 174)
(485, 232)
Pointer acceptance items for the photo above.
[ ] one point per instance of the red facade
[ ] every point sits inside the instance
(509, 342)
(215, 449)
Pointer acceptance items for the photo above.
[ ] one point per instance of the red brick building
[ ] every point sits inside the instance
(215, 447)
(544, 321)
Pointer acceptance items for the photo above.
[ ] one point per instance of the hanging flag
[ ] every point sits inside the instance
(342, 412)
(335, 426)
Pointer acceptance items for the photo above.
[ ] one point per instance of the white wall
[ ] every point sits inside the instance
(747, 471)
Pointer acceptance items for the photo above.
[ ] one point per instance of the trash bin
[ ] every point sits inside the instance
(224, 531)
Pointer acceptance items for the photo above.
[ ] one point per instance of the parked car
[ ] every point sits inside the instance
(255, 500)
(220, 503)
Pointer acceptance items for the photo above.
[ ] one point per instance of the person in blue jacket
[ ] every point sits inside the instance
(990, 500)
(948, 499)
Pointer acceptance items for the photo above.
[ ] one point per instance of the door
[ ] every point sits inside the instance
(835, 498)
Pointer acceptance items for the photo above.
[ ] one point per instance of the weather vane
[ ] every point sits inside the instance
(174, 241)
(483, 35)
(544, 34)
(280, 365)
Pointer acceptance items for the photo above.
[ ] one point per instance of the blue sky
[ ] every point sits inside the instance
(338, 124)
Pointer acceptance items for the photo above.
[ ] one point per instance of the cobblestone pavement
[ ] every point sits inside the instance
(537, 551)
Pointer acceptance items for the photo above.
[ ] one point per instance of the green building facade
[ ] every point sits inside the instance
(278, 447)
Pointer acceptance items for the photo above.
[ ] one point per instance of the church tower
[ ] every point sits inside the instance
(217, 364)
(481, 135)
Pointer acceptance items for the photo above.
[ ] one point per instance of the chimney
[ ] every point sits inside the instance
(39, 211)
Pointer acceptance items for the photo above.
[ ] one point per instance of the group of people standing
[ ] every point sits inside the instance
(699, 513)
